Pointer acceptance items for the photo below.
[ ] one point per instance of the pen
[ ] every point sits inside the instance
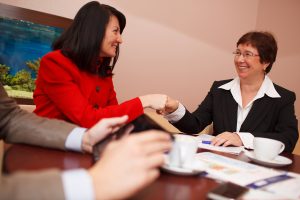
(206, 141)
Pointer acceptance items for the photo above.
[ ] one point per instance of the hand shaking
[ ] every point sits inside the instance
(170, 106)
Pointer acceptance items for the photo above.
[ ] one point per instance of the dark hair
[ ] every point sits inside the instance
(265, 44)
(81, 42)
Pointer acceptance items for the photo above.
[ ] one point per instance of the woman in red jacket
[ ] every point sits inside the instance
(74, 81)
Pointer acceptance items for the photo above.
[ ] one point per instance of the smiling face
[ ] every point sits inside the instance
(112, 38)
(249, 67)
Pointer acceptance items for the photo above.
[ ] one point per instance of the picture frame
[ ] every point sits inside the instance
(25, 36)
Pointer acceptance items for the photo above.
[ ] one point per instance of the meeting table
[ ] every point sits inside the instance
(168, 186)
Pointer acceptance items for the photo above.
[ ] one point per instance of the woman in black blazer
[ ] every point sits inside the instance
(249, 106)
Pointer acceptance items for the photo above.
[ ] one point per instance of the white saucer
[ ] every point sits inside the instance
(180, 171)
(276, 162)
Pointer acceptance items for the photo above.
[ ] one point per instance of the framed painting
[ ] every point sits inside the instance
(25, 36)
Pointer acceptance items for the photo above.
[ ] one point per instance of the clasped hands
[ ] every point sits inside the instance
(163, 104)
(171, 105)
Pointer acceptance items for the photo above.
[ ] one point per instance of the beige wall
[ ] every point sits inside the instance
(180, 47)
(282, 18)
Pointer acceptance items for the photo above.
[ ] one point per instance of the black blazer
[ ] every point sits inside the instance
(269, 117)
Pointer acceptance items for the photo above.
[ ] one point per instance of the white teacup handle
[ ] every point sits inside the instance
(282, 148)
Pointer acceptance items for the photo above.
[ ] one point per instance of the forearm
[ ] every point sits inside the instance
(19, 126)
(32, 185)
(190, 123)
(27, 128)
(132, 108)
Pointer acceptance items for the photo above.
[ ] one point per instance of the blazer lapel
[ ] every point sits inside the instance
(259, 109)
(230, 112)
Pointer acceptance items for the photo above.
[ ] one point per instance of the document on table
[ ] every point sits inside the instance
(280, 183)
(289, 188)
(204, 142)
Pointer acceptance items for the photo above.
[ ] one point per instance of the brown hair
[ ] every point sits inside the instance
(265, 44)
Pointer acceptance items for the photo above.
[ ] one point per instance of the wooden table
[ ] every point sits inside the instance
(167, 186)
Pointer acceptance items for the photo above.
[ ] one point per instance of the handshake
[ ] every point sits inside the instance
(163, 104)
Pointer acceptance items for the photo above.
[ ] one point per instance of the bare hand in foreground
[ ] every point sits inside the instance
(129, 164)
(227, 138)
(103, 128)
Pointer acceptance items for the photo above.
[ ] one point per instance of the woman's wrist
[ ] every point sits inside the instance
(145, 102)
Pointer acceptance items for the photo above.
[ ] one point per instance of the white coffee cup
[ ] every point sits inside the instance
(267, 149)
(183, 151)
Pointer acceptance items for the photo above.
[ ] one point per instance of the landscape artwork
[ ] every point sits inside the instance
(22, 44)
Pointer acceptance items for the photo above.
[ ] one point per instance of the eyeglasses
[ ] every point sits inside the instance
(246, 55)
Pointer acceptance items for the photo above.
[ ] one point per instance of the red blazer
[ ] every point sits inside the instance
(64, 92)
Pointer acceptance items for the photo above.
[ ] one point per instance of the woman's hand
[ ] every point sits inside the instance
(154, 101)
(171, 106)
(227, 138)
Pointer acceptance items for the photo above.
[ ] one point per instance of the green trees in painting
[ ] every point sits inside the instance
(5, 77)
(22, 80)
(34, 65)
